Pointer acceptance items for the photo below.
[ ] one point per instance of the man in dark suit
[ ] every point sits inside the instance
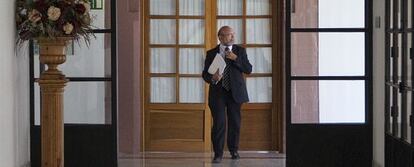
(227, 91)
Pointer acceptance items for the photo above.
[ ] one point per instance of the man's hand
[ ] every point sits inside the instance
(231, 56)
(217, 76)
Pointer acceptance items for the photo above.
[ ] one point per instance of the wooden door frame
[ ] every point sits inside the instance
(278, 81)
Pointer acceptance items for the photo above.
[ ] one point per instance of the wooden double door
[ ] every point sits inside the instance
(177, 34)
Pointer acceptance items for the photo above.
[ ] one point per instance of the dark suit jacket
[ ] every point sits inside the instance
(237, 68)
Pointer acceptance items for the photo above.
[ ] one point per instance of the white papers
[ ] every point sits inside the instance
(218, 63)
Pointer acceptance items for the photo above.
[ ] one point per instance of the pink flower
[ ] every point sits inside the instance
(35, 16)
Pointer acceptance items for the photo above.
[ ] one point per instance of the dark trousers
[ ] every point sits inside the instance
(218, 103)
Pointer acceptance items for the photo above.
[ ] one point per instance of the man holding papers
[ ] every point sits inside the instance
(223, 70)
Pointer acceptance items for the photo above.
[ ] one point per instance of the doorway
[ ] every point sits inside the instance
(177, 34)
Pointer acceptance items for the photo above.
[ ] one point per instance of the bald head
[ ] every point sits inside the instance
(224, 29)
(226, 35)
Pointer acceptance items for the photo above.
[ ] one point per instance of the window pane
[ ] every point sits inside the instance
(328, 54)
(84, 103)
(229, 7)
(191, 60)
(191, 90)
(409, 17)
(191, 31)
(237, 26)
(258, 7)
(258, 31)
(328, 14)
(162, 60)
(163, 90)
(37, 103)
(399, 125)
(88, 102)
(259, 89)
(101, 15)
(261, 59)
(328, 102)
(162, 31)
(85, 61)
(162, 7)
(192, 7)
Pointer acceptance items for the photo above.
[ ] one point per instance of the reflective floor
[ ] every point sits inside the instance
(248, 159)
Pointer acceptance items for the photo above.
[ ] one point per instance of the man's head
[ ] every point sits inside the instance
(226, 35)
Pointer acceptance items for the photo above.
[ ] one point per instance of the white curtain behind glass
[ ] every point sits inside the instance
(162, 7)
(162, 60)
(163, 90)
(259, 89)
(258, 7)
(191, 60)
(162, 31)
(191, 90)
(261, 59)
(191, 7)
(258, 31)
(191, 31)
(229, 7)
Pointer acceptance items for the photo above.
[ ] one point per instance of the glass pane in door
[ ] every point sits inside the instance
(261, 59)
(191, 60)
(162, 7)
(258, 31)
(191, 31)
(328, 54)
(259, 89)
(328, 101)
(162, 60)
(229, 7)
(163, 90)
(191, 90)
(191, 7)
(328, 14)
(258, 7)
(162, 31)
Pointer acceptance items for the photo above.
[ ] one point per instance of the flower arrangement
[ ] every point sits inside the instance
(53, 18)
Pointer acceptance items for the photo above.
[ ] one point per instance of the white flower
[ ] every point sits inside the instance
(23, 12)
(53, 13)
(35, 16)
(68, 28)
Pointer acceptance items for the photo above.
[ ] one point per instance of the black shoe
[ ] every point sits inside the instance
(217, 159)
(235, 155)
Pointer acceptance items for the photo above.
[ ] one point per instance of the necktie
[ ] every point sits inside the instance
(226, 73)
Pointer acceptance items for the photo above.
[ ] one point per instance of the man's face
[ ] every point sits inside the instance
(226, 37)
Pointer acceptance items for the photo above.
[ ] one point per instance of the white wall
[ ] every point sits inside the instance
(14, 121)
(378, 106)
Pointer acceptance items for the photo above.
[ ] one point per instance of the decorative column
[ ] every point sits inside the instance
(52, 83)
